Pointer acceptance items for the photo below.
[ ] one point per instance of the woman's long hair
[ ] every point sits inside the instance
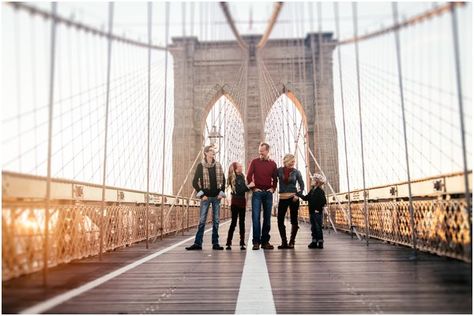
(231, 176)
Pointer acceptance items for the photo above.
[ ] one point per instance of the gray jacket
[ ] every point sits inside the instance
(295, 176)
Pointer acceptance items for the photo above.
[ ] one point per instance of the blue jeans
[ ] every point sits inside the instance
(216, 205)
(316, 219)
(259, 198)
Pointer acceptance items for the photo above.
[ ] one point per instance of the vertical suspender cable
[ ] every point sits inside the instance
(402, 103)
(184, 76)
(315, 87)
(356, 44)
(150, 10)
(107, 100)
(50, 141)
(336, 14)
(461, 112)
(167, 12)
(320, 70)
(305, 100)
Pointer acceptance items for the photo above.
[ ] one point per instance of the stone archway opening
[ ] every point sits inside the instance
(286, 131)
(224, 127)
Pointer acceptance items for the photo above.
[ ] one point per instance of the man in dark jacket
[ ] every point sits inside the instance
(209, 182)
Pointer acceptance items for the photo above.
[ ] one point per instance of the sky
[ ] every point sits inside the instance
(427, 56)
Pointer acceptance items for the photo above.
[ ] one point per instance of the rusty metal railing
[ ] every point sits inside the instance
(442, 220)
(75, 221)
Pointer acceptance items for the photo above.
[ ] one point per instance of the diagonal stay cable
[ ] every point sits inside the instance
(315, 161)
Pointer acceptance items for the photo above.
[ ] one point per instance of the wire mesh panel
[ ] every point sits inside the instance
(442, 226)
(74, 231)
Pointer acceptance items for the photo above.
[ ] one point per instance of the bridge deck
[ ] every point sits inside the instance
(345, 277)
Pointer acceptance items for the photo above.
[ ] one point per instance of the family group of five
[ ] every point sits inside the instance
(262, 179)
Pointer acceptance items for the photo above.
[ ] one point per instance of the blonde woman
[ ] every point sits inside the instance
(209, 182)
(236, 182)
(288, 178)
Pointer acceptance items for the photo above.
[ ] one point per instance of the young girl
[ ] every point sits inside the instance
(236, 181)
(316, 201)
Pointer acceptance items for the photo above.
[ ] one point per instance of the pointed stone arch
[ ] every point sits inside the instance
(202, 77)
(215, 94)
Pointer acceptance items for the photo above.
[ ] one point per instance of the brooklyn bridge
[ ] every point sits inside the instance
(108, 106)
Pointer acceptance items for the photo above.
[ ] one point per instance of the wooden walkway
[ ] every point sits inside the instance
(345, 277)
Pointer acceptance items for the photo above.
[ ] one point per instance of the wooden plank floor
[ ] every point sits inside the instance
(349, 277)
(345, 277)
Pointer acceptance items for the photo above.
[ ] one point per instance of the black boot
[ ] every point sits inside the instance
(284, 241)
(294, 230)
(242, 242)
(284, 246)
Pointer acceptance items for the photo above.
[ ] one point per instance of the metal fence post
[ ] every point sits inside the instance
(356, 44)
(107, 101)
(402, 103)
(461, 114)
(50, 143)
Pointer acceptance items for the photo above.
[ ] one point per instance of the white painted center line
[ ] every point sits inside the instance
(255, 294)
(57, 300)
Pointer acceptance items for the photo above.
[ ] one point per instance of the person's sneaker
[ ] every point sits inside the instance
(217, 247)
(313, 245)
(194, 247)
(256, 246)
(242, 247)
(228, 247)
(283, 246)
(319, 245)
(267, 246)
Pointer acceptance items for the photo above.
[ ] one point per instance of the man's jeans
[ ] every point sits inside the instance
(259, 198)
(216, 205)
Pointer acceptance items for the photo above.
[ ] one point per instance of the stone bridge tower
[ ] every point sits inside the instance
(204, 71)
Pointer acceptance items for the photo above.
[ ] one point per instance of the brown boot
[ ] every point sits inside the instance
(294, 230)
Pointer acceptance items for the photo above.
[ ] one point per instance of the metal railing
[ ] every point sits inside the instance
(442, 219)
(75, 221)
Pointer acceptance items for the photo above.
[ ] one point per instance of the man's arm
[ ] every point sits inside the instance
(250, 172)
(275, 177)
(197, 176)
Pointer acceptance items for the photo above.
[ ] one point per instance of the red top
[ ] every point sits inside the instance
(263, 173)
(239, 201)
(286, 174)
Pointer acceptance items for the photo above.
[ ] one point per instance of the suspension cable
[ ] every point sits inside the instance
(80, 26)
(231, 23)
(271, 23)
(411, 21)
